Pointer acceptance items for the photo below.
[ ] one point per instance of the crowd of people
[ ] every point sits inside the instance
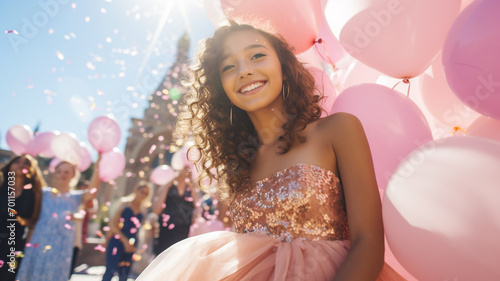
(51, 222)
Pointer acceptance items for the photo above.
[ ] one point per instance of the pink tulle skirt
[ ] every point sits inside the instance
(225, 255)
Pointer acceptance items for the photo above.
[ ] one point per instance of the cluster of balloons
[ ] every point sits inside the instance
(439, 195)
(103, 135)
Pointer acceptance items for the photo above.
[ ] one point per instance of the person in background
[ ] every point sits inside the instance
(174, 204)
(124, 225)
(81, 219)
(21, 183)
(51, 249)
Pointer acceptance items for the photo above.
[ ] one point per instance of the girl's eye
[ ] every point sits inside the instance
(259, 55)
(227, 67)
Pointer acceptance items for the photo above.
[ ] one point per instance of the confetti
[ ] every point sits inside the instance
(36, 245)
(189, 199)
(13, 211)
(171, 226)
(152, 148)
(117, 236)
(93, 190)
(133, 230)
(54, 215)
(98, 233)
(51, 31)
(28, 245)
(59, 55)
(1, 263)
(48, 247)
(67, 226)
(106, 228)
(11, 31)
(136, 257)
(100, 248)
(114, 251)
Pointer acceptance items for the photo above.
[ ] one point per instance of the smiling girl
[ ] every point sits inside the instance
(301, 190)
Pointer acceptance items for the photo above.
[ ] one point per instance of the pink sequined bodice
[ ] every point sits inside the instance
(303, 201)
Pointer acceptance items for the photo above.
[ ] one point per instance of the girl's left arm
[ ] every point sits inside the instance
(366, 255)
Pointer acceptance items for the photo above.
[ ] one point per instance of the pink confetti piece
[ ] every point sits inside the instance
(165, 217)
(28, 186)
(100, 248)
(93, 190)
(36, 245)
(54, 215)
(12, 31)
(152, 148)
(114, 251)
(117, 236)
(30, 86)
(28, 244)
(68, 217)
(189, 199)
(163, 205)
(122, 220)
(171, 226)
(25, 171)
(106, 228)
(98, 233)
(67, 226)
(133, 230)
(1, 263)
(108, 203)
(145, 246)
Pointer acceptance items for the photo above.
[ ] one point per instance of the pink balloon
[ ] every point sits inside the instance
(389, 257)
(111, 165)
(86, 160)
(471, 58)
(465, 3)
(394, 125)
(485, 127)
(65, 146)
(104, 134)
(358, 73)
(40, 145)
(18, 138)
(179, 159)
(441, 210)
(324, 85)
(53, 164)
(298, 21)
(440, 100)
(398, 38)
(329, 49)
(162, 174)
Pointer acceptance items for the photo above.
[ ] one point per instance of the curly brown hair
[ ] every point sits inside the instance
(225, 151)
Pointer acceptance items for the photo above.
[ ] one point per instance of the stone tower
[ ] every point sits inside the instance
(150, 138)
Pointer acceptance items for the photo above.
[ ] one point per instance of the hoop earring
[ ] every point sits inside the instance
(231, 116)
(287, 90)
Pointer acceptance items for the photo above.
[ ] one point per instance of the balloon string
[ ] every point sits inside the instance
(323, 43)
(405, 80)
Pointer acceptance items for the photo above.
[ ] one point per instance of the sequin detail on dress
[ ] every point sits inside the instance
(301, 202)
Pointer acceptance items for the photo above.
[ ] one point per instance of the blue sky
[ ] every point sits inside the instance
(72, 61)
